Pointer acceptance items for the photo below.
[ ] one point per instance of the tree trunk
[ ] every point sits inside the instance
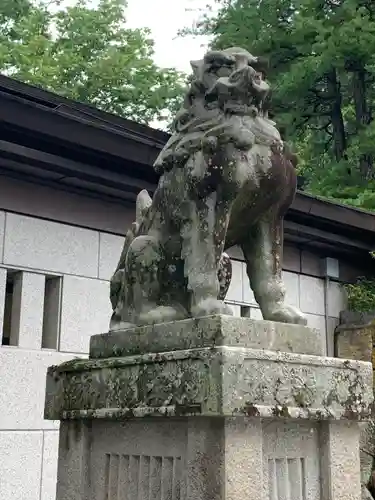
(338, 129)
(363, 118)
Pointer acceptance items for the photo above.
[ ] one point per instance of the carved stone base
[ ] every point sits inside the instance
(215, 421)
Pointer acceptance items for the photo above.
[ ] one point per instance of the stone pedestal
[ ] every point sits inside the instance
(218, 408)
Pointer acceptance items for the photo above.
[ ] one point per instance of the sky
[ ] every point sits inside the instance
(165, 18)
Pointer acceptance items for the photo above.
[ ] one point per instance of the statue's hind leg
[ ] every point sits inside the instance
(144, 266)
(263, 255)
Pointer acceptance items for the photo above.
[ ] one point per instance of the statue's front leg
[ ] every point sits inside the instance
(263, 254)
(203, 239)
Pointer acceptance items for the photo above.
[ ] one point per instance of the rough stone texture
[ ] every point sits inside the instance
(212, 419)
(291, 459)
(73, 470)
(226, 179)
(222, 458)
(356, 342)
(210, 331)
(211, 381)
(340, 461)
(49, 465)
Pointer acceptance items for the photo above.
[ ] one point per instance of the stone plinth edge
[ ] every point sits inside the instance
(210, 331)
(220, 381)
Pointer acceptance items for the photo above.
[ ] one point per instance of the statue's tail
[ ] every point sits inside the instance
(143, 204)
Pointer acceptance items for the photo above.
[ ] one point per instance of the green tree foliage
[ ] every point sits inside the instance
(88, 54)
(322, 67)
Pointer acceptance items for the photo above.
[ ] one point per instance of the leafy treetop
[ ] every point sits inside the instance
(88, 54)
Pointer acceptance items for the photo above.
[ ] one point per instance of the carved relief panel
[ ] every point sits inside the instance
(291, 464)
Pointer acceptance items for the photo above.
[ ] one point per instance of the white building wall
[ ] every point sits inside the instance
(81, 261)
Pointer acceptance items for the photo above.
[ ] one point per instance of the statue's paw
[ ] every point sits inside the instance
(162, 314)
(209, 307)
(286, 314)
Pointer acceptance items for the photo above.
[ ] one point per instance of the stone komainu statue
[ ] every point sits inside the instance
(226, 179)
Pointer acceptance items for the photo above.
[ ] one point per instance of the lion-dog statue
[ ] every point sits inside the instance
(225, 179)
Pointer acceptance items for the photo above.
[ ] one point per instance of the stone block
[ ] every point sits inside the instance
(355, 342)
(49, 465)
(85, 311)
(291, 461)
(40, 244)
(312, 295)
(23, 382)
(340, 460)
(212, 381)
(110, 247)
(73, 473)
(234, 418)
(207, 332)
(194, 458)
(27, 310)
(20, 465)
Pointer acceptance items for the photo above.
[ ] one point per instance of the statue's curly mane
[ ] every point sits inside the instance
(226, 88)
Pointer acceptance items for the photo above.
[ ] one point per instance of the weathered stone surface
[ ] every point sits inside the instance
(354, 342)
(209, 331)
(211, 381)
(226, 179)
(221, 458)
